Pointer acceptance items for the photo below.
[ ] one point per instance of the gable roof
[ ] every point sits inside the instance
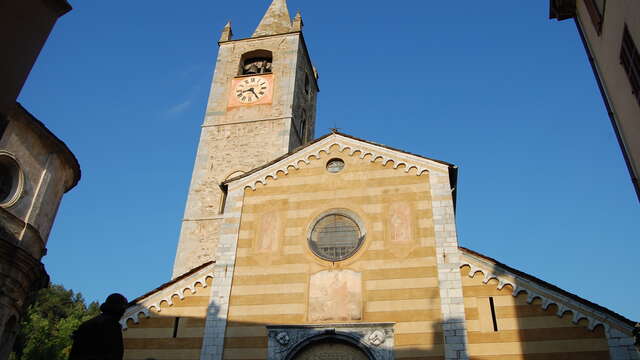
(387, 153)
(548, 286)
(333, 133)
(165, 292)
(169, 283)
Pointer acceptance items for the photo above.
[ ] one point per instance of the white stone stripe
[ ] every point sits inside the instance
(302, 198)
(365, 265)
(271, 309)
(291, 288)
(400, 305)
(397, 284)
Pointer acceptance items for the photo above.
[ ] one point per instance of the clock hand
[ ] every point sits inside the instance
(254, 93)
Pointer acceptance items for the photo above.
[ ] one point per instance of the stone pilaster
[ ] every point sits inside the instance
(621, 346)
(216, 323)
(450, 280)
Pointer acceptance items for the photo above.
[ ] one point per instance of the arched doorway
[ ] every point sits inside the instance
(330, 349)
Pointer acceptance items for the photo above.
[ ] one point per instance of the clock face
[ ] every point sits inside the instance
(251, 89)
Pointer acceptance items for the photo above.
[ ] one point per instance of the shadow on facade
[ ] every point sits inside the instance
(518, 322)
(503, 319)
(285, 337)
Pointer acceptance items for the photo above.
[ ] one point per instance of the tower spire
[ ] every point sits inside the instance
(227, 32)
(298, 24)
(276, 21)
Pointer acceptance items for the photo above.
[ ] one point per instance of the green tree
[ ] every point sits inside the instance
(46, 330)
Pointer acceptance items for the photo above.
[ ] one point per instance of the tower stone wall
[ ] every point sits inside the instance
(235, 139)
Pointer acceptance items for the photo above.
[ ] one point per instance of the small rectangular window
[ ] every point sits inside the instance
(596, 11)
(303, 130)
(176, 324)
(493, 314)
(223, 198)
(488, 320)
(630, 60)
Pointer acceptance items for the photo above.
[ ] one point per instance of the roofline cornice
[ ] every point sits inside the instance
(258, 37)
(548, 293)
(313, 150)
(49, 136)
(562, 9)
(165, 293)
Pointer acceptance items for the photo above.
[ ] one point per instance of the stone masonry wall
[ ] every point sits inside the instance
(258, 142)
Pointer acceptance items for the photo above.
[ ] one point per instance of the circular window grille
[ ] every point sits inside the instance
(335, 165)
(11, 180)
(335, 237)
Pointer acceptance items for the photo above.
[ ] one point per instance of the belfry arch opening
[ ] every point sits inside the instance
(256, 62)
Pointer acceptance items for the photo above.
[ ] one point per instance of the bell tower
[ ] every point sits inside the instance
(261, 106)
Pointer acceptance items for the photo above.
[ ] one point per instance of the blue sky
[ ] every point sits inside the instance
(494, 87)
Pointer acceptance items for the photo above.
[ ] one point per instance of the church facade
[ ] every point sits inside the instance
(336, 247)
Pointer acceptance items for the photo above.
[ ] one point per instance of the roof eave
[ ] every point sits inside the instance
(550, 286)
(169, 283)
(293, 152)
(61, 7)
(562, 9)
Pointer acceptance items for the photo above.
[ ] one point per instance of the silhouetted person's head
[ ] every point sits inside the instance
(115, 305)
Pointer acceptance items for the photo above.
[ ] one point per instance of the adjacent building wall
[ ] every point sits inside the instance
(603, 50)
(47, 170)
(24, 27)
(47, 167)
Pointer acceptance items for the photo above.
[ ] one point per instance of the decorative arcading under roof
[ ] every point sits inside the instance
(351, 146)
(535, 291)
(155, 300)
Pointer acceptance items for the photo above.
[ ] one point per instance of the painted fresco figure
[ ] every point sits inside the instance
(100, 338)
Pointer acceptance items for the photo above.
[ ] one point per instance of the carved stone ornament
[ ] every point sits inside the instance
(283, 338)
(376, 338)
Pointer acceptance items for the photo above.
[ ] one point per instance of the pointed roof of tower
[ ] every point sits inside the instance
(276, 21)
(298, 24)
(227, 32)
